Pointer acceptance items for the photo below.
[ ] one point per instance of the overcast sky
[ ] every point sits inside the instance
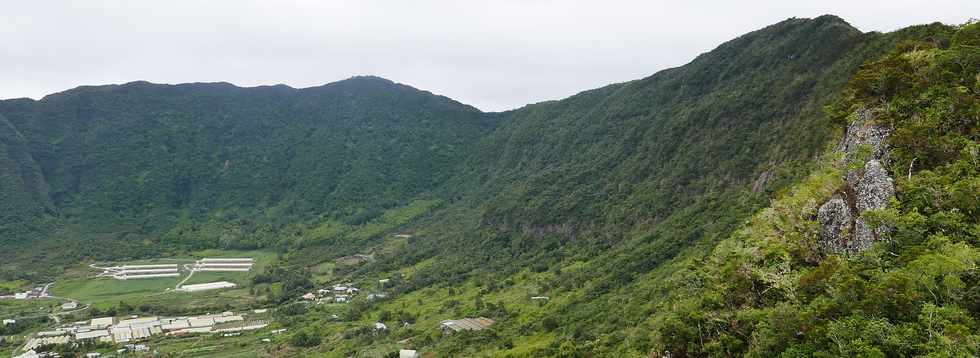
(495, 55)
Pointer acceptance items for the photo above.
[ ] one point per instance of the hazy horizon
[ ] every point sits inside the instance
(494, 57)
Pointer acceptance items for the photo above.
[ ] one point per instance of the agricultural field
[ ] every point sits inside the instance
(12, 286)
(248, 344)
(27, 308)
(80, 283)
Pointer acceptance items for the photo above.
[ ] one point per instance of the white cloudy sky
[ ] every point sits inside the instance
(496, 55)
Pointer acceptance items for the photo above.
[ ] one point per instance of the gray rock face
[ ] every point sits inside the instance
(865, 149)
(835, 225)
(863, 132)
(864, 141)
(874, 188)
(873, 192)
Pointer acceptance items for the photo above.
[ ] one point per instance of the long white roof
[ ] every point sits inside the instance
(243, 259)
(206, 286)
(92, 334)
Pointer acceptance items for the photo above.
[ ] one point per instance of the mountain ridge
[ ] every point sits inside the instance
(613, 203)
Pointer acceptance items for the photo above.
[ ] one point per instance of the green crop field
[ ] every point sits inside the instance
(80, 283)
(108, 290)
(13, 285)
(21, 308)
(248, 344)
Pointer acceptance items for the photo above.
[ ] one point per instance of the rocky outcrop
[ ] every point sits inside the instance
(867, 186)
(836, 224)
(873, 192)
(863, 142)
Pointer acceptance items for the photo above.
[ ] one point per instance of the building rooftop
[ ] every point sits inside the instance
(467, 324)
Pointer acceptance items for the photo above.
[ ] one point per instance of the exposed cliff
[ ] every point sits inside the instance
(867, 186)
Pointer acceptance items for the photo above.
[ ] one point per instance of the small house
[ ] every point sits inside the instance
(465, 324)
(408, 353)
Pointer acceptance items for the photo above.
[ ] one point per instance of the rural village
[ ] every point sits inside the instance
(131, 335)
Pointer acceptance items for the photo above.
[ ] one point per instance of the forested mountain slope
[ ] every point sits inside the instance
(781, 286)
(634, 208)
(665, 161)
(595, 200)
(208, 165)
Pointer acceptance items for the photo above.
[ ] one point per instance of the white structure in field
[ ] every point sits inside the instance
(136, 329)
(102, 322)
(408, 353)
(224, 264)
(139, 276)
(206, 286)
(129, 272)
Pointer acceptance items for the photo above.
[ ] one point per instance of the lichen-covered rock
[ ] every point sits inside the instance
(864, 141)
(873, 192)
(835, 225)
(863, 132)
(875, 187)
(867, 186)
(863, 236)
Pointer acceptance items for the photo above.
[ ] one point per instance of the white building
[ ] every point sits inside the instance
(96, 334)
(206, 286)
(176, 325)
(102, 322)
(227, 260)
(408, 353)
(224, 264)
(126, 276)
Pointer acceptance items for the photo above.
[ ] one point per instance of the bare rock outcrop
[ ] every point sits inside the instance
(867, 186)
(836, 224)
(873, 192)
(863, 142)
(875, 187)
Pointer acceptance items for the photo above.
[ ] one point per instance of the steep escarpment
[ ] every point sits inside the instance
(876, 252)
(23, 190)
(772, 197)
(627, 176)
(596, 201)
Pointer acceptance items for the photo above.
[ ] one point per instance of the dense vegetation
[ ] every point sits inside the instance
(143, 168)
(632, 183)
(767, 291)
(673, 213)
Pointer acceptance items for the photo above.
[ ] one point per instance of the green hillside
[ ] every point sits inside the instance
(770, 290)
(142, 168)
(802, 190)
